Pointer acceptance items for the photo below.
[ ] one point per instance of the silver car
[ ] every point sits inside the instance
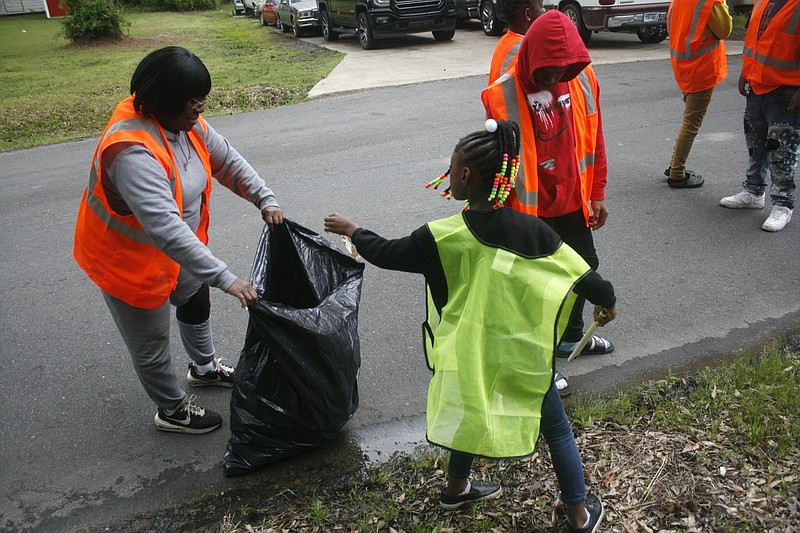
(299, 16)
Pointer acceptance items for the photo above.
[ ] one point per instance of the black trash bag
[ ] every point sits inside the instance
(296, 381)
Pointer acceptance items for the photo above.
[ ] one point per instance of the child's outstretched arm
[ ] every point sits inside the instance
(340, 224)
(414, 253)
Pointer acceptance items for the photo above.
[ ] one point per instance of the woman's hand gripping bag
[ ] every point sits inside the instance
(296, 381)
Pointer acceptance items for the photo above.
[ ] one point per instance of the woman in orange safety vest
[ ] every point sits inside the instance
(142, 229)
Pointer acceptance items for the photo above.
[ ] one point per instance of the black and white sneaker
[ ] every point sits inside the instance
(221, 376)
(188, 418)
(479, 491)
(595, 509)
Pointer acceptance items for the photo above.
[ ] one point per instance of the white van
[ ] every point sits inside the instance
(646, 18)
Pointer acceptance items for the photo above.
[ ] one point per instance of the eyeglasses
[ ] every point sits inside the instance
(197, 105)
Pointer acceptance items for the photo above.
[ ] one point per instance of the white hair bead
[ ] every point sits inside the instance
(491, 125)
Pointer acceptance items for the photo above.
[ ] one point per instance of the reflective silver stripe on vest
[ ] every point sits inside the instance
(509, 86)
(510, 57)
(794, 22)
(689, 54)
(591, 109)
(588, 92)
(587, 161)
(97, 206)
(685, 56)
(770, 61)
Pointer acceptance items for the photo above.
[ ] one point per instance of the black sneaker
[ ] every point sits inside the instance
(480, 490)
(188, 418)
(595, 509)
(221, 376)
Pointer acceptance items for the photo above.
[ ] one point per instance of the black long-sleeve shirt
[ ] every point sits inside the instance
(504, 228)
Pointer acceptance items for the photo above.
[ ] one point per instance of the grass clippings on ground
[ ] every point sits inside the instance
(713, 452)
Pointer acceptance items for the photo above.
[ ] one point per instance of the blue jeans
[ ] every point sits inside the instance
(557, 431)
(772, 135)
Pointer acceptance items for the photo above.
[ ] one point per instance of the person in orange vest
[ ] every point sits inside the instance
(519, 14)
(697, 52)
(553, 94)
(142, 229)
(770, 80)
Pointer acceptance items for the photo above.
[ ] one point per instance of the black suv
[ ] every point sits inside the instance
(372, 18)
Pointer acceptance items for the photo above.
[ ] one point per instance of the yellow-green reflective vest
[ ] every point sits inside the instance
(491, 349)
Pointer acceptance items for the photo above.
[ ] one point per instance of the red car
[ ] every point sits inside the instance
(267, 15)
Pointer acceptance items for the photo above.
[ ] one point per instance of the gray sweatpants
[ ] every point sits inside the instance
(146, 334)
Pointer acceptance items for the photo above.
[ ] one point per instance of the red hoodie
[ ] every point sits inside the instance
(553, 41)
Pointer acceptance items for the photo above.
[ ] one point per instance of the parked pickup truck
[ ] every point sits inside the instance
(374, 18)
(647, 18)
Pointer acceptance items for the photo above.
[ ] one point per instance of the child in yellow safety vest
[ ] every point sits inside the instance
(501, 285)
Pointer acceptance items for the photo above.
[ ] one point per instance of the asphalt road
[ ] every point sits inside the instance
(79, 450)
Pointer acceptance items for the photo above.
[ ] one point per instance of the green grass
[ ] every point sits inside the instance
(52, 90)
(752, 395)
(714, 450)
(739, 22)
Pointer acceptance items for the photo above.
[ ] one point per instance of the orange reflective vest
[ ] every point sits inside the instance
(505, 100)
(773, 59)
(505, 55)
(114, 250)
(698, 64)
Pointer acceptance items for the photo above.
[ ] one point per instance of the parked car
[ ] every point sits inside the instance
(238, 7)
(468, 9)
(297, 16)
(370, 19)
(252, 7)
(246, 7)
(266, 14)
(492, 25)
(646, 18)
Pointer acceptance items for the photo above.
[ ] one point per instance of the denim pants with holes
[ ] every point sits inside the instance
(772, 134)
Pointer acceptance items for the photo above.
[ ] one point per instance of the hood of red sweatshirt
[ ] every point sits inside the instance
(551, 41)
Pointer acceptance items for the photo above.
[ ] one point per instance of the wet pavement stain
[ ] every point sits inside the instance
(273, 489)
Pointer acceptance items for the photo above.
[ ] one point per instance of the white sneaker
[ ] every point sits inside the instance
(778, 219)
(743, 200)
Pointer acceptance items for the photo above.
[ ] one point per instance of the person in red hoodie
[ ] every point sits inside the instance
(554, 96)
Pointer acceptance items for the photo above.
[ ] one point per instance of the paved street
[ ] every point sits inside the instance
(419, 58)
(694, 281)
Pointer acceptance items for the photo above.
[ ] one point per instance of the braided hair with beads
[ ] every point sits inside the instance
(492, 154)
